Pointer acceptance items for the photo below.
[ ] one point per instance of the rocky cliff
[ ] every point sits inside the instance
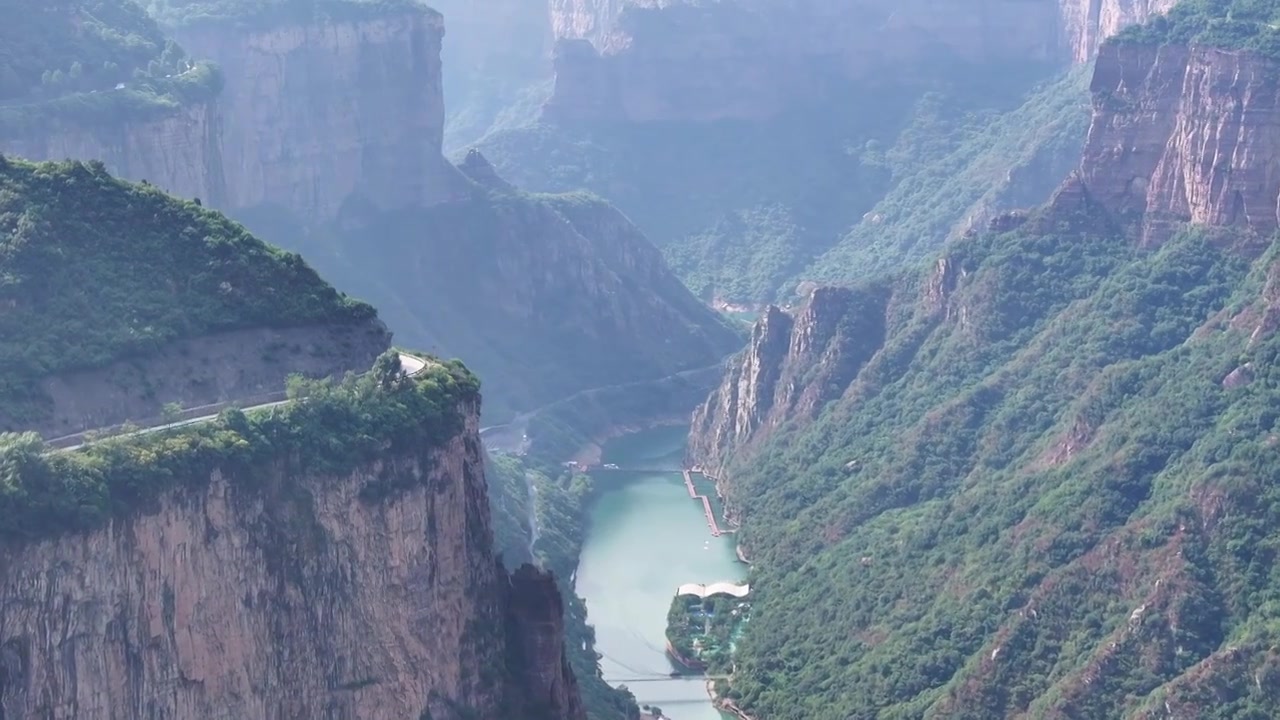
(795, 364)
(1086, 23)
(1058, 428)
(180, 151)
(324, 108)
(590, 20)
(751, 60)
(272, 592)
(1184, 134)
(1083, 24)
(649, 60)
(198, 372)
(559, 293)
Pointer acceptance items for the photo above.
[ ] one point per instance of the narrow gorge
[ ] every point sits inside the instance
(839, 359)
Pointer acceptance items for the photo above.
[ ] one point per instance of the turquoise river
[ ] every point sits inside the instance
(646, 538)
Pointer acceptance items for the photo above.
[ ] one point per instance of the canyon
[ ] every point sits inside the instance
(996, 451)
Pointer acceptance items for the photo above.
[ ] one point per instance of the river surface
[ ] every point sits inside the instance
(646, 538)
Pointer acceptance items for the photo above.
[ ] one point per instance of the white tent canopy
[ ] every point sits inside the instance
(719, 588)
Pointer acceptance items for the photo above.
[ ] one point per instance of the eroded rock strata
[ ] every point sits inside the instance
(276, 593)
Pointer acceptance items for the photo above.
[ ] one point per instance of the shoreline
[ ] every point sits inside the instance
(696, 666)
(725, 704)
(589, 455)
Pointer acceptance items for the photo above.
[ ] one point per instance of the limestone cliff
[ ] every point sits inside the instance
(649, 60)
(587, 19)
(180, 152)
(750, 59)
(200, 372)
(1086, 23)
(288, 595)
(544, 295)
(321, 109)
(1184, 134)
(796, 363)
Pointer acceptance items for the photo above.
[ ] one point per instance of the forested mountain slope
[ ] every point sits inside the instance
(119, 298)
(331, 555)
(1036, 478)
(545, 295)
(762, 145)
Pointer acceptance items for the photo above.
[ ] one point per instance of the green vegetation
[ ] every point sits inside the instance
(113, 269)
(1040, 498)
(953, 167)
(331, 428)
(560, 512)
(260, 13)
(1228, 24)
(705, 630)
(91, 62)
(736, 207)
(743, 210)
(58, 46)
(544, 295)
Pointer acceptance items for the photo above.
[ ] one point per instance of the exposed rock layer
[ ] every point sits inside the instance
(181, 153)
(794, 365)
(320, 111)
(751, 60)
(314, 113)
(1185, 134)
(1086, 23)
(288, 596)
(652, 60)
(217, 368)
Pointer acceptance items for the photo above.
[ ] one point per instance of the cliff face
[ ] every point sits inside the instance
(213, 369)
(323, 110)
(1184, 134)
(535, 647)
(649, 60)
(181, 153)
(750, 60)
(1086, 23)
(544, 295)
(585, 19)
(795, 364)
(287, 596)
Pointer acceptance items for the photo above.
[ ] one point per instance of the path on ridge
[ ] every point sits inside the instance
(412, 365)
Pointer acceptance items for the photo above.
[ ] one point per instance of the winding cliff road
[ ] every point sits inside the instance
(411, 365)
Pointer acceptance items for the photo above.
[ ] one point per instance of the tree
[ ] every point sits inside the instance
(171, 413)
(387, 370)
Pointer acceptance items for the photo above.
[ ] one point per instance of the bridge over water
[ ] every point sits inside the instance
(667, 678)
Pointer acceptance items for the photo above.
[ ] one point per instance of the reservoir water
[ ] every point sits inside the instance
(646, 538)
